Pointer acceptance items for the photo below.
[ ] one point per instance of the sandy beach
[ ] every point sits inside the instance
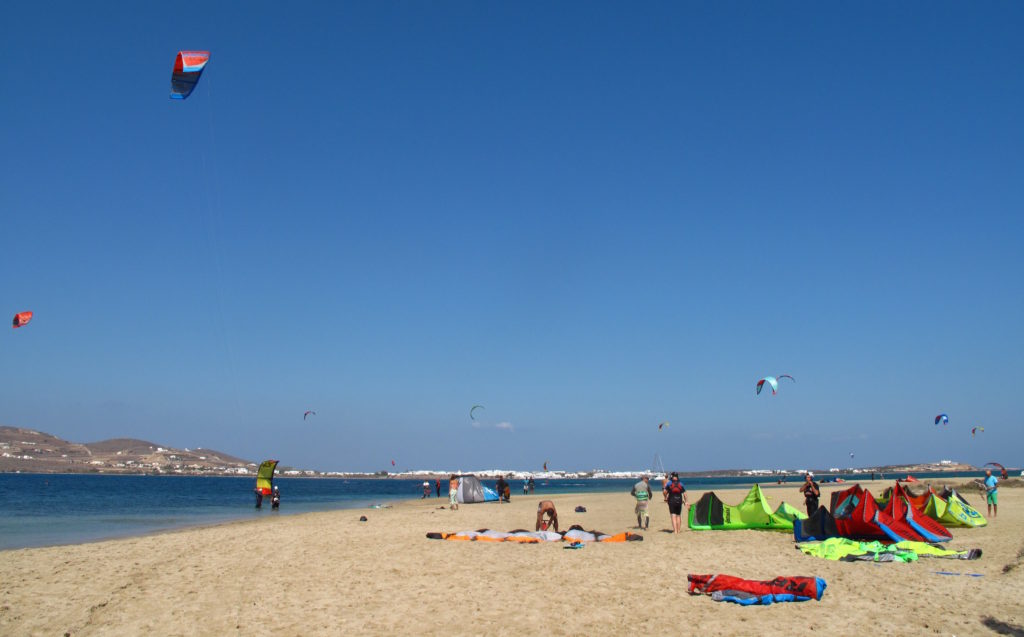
(328, 573)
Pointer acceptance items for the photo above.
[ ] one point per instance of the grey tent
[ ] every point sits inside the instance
(471, 490)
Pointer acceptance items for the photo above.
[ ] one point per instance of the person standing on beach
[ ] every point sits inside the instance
(642, 492)
(675, 495)
(530, 482)
(259, 498)
(991, 493)
(437, 483)
(453, 493)
(426, 490)
(275, 498)
(811, 492)
(500, 486)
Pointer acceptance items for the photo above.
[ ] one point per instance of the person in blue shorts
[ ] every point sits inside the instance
(991, 493)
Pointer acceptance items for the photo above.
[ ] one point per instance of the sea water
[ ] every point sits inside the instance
(53, 509)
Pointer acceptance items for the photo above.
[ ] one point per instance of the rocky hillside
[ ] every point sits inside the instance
(33, 451)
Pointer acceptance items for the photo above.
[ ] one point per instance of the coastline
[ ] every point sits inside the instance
(328, 573)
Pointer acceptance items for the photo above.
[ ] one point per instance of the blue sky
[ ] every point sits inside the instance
(588, 217)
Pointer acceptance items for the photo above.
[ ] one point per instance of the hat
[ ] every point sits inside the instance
(810, 473)
(426, 484)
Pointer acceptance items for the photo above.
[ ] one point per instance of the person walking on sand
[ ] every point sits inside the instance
(811, 492)
(675, 495)
(546, 507)
(991, 493)
(453, 493)
(642, 492)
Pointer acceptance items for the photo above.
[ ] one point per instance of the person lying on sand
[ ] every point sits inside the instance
(546, 507)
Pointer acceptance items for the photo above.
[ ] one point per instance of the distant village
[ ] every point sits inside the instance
(29, 451)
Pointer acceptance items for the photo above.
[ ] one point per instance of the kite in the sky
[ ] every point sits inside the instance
(188, 67)
(545, 465)
(771, 383)
(308, 413)
(975, 430)
(392, 463)
(663, 425)
(21, 319)
(851, 454)
(472, 409)
(943, 418)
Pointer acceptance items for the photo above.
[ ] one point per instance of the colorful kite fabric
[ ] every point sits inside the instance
(575, 535)
(772, 382)
(727, 588)
(308, 414)
(265, 476)
(976, 430)
(943, 418)
(847, 550)
(188, 67)
(711, 514)
(21, 319)
(663, 425)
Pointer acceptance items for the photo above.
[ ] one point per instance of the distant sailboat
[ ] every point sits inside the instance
(658, 468)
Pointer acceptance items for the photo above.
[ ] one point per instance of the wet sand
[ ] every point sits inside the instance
(329, 574)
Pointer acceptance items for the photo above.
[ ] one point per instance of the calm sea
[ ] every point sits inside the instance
(45, 510)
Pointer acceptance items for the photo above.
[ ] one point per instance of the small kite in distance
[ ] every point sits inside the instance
(545, 465)
(21, 319)
(851, 454)
(975, 430)
(188, 67)
(392, 463)
(472, 409)
(943, 418)
(772, 382)
(663, 425)
(308, 413)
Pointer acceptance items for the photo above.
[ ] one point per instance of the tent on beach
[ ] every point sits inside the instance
(471, 491)
(711, 514)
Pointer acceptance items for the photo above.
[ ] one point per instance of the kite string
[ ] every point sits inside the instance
(212, 219)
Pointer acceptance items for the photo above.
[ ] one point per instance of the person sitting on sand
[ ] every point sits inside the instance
(546, 507)
(991, 493)
(275, 498)
(453, 493)
(675, 495)
(642, 492)
(811, 492)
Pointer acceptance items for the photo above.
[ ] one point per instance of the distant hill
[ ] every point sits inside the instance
(28, 450)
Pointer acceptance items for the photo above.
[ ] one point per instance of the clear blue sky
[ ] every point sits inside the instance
(588, 217)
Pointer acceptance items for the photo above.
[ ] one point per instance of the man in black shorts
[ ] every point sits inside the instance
(675, 494)
(811, 492)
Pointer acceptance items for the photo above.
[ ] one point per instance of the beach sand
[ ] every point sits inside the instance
(328, 573)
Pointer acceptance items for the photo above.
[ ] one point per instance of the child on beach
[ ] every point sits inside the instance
(453, 493)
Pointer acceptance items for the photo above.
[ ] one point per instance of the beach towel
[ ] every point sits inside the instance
(727, 588)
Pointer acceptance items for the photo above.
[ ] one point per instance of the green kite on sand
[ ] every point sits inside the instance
(847, 550)
(711, 514)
